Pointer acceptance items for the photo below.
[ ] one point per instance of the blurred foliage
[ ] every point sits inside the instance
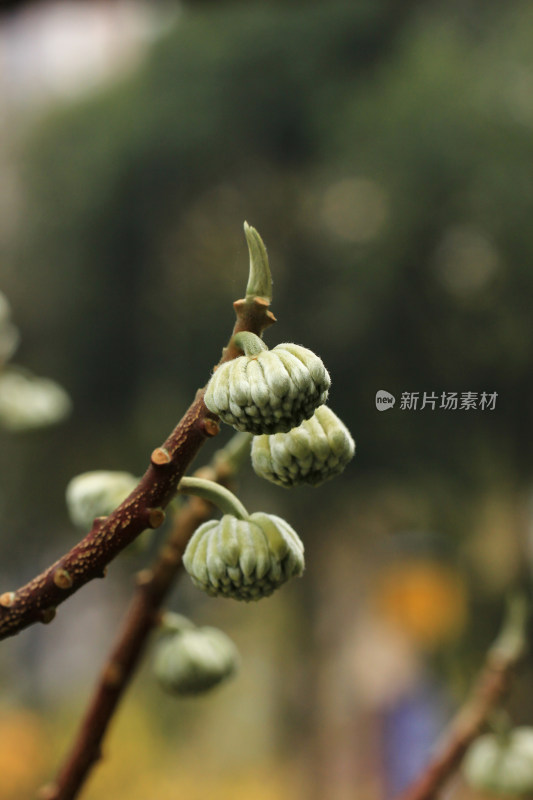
(384, 153)
(29, 743)
(384, 158)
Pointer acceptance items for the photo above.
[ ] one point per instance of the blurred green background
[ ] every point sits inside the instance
(384, 152)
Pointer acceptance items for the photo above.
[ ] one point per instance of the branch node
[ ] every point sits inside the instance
(7, 599)
(160, 457)
(211, 427)
(102, 574)
(153, 585)
(113, 675)
(62, 579)
(144, 577)
(260, 301)
(156, 517)
(169, 555)
(47, 615)
(256, 309)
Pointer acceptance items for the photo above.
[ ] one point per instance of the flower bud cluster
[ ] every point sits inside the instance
(28, 402)
(268, 391)
(501, 765)
(311, 453)
(246, 559)
(193, 660)
(279, 396)
(97, 494)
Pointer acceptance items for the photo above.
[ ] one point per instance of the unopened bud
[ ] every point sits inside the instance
(28, 402)
(312, 453)
(246, 559)
(97, 494)
(267, 391)
(194, 660)
(501, 766)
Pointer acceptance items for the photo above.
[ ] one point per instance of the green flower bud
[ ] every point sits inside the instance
(97, 494)
(312, 453)
(267, 391)
(243, 558)
(194, 660)
(501, 765)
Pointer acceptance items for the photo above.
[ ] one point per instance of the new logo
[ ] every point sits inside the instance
(384, 400)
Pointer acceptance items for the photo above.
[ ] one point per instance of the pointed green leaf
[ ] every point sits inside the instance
(260, 279)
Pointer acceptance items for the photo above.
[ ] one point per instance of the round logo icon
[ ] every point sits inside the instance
(384, 400)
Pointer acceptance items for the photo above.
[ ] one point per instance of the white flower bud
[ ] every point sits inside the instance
(501, 765)
(27, 402)
(312, 453)
(268, 391)
(194, 660)
(244, 558)
(97, 494)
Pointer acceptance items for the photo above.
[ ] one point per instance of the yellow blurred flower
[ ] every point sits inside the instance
(23, 754)
(423, 598)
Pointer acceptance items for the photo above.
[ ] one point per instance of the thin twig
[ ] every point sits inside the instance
(141, 617)
(489, 690)
(37, 600)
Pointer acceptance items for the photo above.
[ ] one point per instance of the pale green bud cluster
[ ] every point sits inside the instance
(194, 660)
(97, 494)
(312, 453)
(246, 559)
(28, 402)
(268, 391)
(502, 766)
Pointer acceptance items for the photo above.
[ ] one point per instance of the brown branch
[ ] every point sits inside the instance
(38, 599)
(141, 617)
(489, 690)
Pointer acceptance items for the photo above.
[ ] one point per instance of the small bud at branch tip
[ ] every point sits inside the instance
(260, 280)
